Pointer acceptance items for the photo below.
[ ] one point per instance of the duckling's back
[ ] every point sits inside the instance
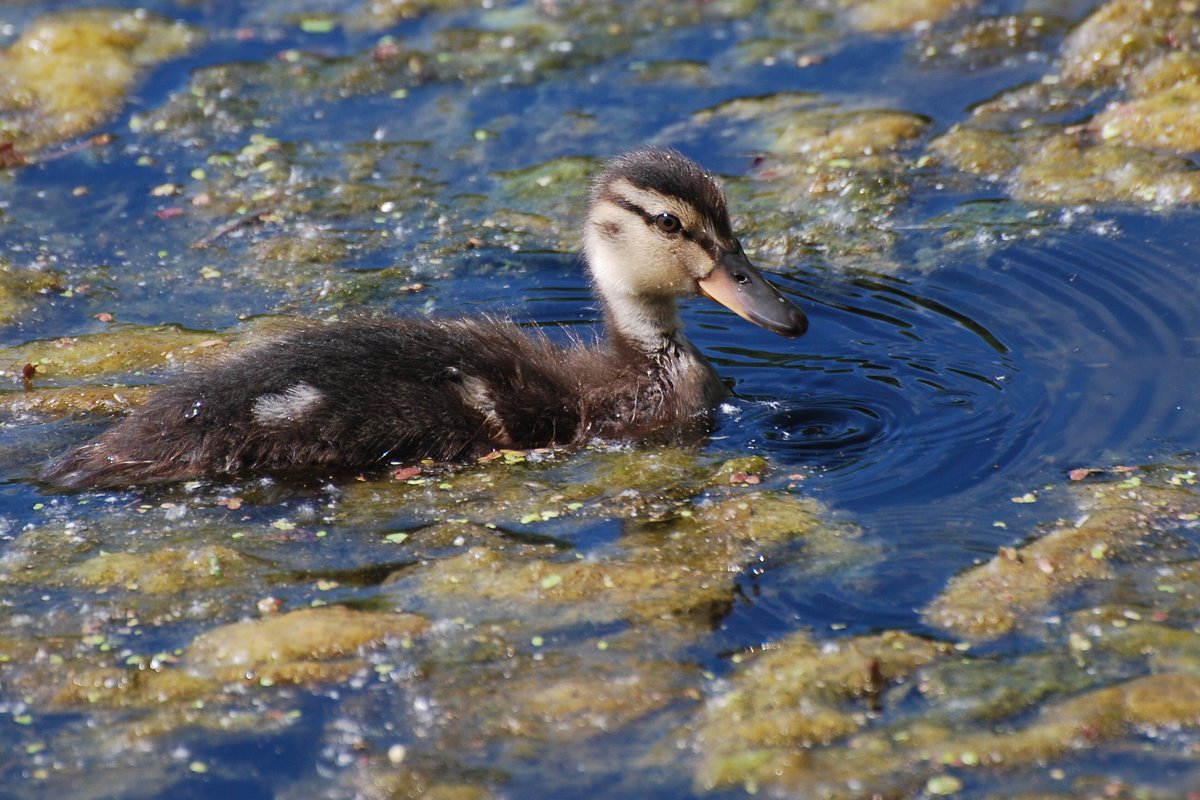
(343, 396)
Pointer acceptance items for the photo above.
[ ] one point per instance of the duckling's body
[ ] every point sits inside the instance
(366, 392)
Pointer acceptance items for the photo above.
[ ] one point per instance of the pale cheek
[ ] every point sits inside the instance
(698, 262)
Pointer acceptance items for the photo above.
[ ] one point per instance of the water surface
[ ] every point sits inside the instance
(982, 353)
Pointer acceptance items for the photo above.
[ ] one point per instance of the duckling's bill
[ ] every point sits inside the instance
(738, 285)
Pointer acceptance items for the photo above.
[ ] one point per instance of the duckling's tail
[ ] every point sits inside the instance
(95, 466)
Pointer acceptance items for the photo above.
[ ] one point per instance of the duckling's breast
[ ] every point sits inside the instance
(664, 396)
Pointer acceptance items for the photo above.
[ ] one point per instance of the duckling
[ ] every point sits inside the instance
(365, 392)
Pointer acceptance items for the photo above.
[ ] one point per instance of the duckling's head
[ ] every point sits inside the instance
(658, 229)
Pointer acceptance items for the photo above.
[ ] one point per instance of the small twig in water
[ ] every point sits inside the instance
(251, 218)
(87, 144)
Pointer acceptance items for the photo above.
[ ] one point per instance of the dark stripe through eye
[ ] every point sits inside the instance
(665, 221)
(670, 224)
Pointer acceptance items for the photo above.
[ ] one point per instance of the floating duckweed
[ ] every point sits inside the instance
(1180, 478)
(941, 785)
(317, 25)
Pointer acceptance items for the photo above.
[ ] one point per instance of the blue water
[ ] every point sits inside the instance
(920, 402)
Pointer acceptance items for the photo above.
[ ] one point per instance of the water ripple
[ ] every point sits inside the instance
(977, 377)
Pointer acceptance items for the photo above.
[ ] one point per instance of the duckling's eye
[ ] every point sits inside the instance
(668, 223)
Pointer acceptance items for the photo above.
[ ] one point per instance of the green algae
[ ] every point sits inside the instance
(294, 192)
(673, 72)
(565, 593)
(897, 757)
(125, 688)
(1122, 633)
(279, 644)
(821, 136)
(995, 597)
(652, 483)
(494, 609)
(122, 350)
(374, 777)
(680, 574)
(497, 614)
(990, 40)
(878, 16)
(69, 72)
(842, 719)
(555, 696)
(1123, 35)
(70, 400)
(1133, 152)
(1166, 120)
(161, 572)
(1093, 716)
(1165, 72)
(381, 14)
(552, 193)
(300, 647)
(984, 691)
(798, 695)
(20, 290)
(828, 179)
(1066, 168)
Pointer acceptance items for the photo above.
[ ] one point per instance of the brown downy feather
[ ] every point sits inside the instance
(360, 394)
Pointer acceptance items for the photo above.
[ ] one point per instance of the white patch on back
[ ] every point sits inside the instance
(286, 407)
(474, 392)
